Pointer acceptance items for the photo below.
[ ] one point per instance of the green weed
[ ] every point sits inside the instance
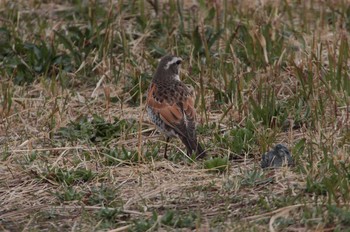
(69, 177)
(216, 164)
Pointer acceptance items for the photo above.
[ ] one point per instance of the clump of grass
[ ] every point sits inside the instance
(107, 217)
(216, 164)
(145, 224)
(170, 219)
(116, 156)
(176, 219)
(68, 177)
(238, 140)
(69, 194)
(97, 129)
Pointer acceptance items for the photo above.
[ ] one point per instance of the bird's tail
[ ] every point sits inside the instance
(193, 146)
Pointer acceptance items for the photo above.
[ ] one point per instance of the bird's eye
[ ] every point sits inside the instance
(178, 62)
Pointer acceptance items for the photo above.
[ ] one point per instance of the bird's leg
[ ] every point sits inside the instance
(166, 147)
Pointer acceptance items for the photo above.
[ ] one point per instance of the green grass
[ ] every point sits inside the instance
(78, 152)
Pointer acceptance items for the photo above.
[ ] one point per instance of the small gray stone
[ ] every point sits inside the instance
(278, 157)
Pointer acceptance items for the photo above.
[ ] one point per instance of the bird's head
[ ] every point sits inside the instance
(169, 67)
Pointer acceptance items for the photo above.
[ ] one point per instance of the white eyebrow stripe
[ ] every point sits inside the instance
(174, 60)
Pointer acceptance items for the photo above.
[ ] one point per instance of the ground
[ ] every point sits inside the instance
(78, 152)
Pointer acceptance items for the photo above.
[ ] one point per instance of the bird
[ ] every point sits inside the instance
(170, 105)
(277, 157)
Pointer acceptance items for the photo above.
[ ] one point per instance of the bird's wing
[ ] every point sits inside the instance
(177, 111)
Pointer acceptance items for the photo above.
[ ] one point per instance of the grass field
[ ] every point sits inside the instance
(78, 153)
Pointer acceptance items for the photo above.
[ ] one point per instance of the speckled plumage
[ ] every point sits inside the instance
(170, 105)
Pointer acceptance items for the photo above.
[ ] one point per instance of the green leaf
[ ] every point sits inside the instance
(216, 164)
(210, 16)
(66, 42)
(197, 40)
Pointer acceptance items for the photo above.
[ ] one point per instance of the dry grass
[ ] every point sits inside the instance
(52, 182)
